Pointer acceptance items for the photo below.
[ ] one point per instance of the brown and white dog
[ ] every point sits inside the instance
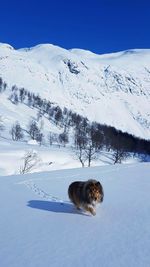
(86, 194)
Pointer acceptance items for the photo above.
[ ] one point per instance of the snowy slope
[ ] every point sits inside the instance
(40, 227)
(50, 157)
(112, 89)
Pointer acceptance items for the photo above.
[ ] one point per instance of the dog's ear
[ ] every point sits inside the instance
(98, 184)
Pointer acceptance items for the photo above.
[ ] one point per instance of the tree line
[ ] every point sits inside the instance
(89, 137)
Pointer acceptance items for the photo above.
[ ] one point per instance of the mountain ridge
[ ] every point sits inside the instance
(112, 89)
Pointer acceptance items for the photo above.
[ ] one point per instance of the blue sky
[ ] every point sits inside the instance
(100, 26)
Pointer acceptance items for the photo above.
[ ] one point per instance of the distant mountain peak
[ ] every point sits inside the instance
(112, 89)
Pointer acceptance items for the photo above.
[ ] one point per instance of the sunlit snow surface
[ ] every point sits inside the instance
(40, 227)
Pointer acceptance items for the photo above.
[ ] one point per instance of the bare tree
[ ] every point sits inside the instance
(22, 94)
(34, 130)
(16, 132)
(14, 95)
(88, 142)
(52, 138)
(81, 156)
(63, 138)
(91, 153)
(3, 85)
(40, 138)
(80, 141)
(1, 125)
(31, 160)
(119, 155)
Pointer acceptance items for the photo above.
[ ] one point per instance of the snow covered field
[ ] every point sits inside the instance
(50, 157)
(40, 227)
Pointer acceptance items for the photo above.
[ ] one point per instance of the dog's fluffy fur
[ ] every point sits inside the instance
(86, 194)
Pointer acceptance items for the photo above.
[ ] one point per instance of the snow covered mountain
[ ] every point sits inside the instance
(112, 89)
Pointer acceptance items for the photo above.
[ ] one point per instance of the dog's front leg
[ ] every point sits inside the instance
(90, 209)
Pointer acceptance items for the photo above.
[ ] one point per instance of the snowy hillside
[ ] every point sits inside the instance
(40, 227)
(111, 89)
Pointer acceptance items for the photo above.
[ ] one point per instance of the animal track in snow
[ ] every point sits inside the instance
(40, 192)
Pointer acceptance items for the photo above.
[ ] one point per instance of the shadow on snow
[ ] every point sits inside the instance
(54, 206)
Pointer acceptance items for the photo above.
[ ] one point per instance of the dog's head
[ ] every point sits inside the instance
(95, 191)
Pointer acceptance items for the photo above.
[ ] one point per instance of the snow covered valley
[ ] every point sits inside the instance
(60, 110)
